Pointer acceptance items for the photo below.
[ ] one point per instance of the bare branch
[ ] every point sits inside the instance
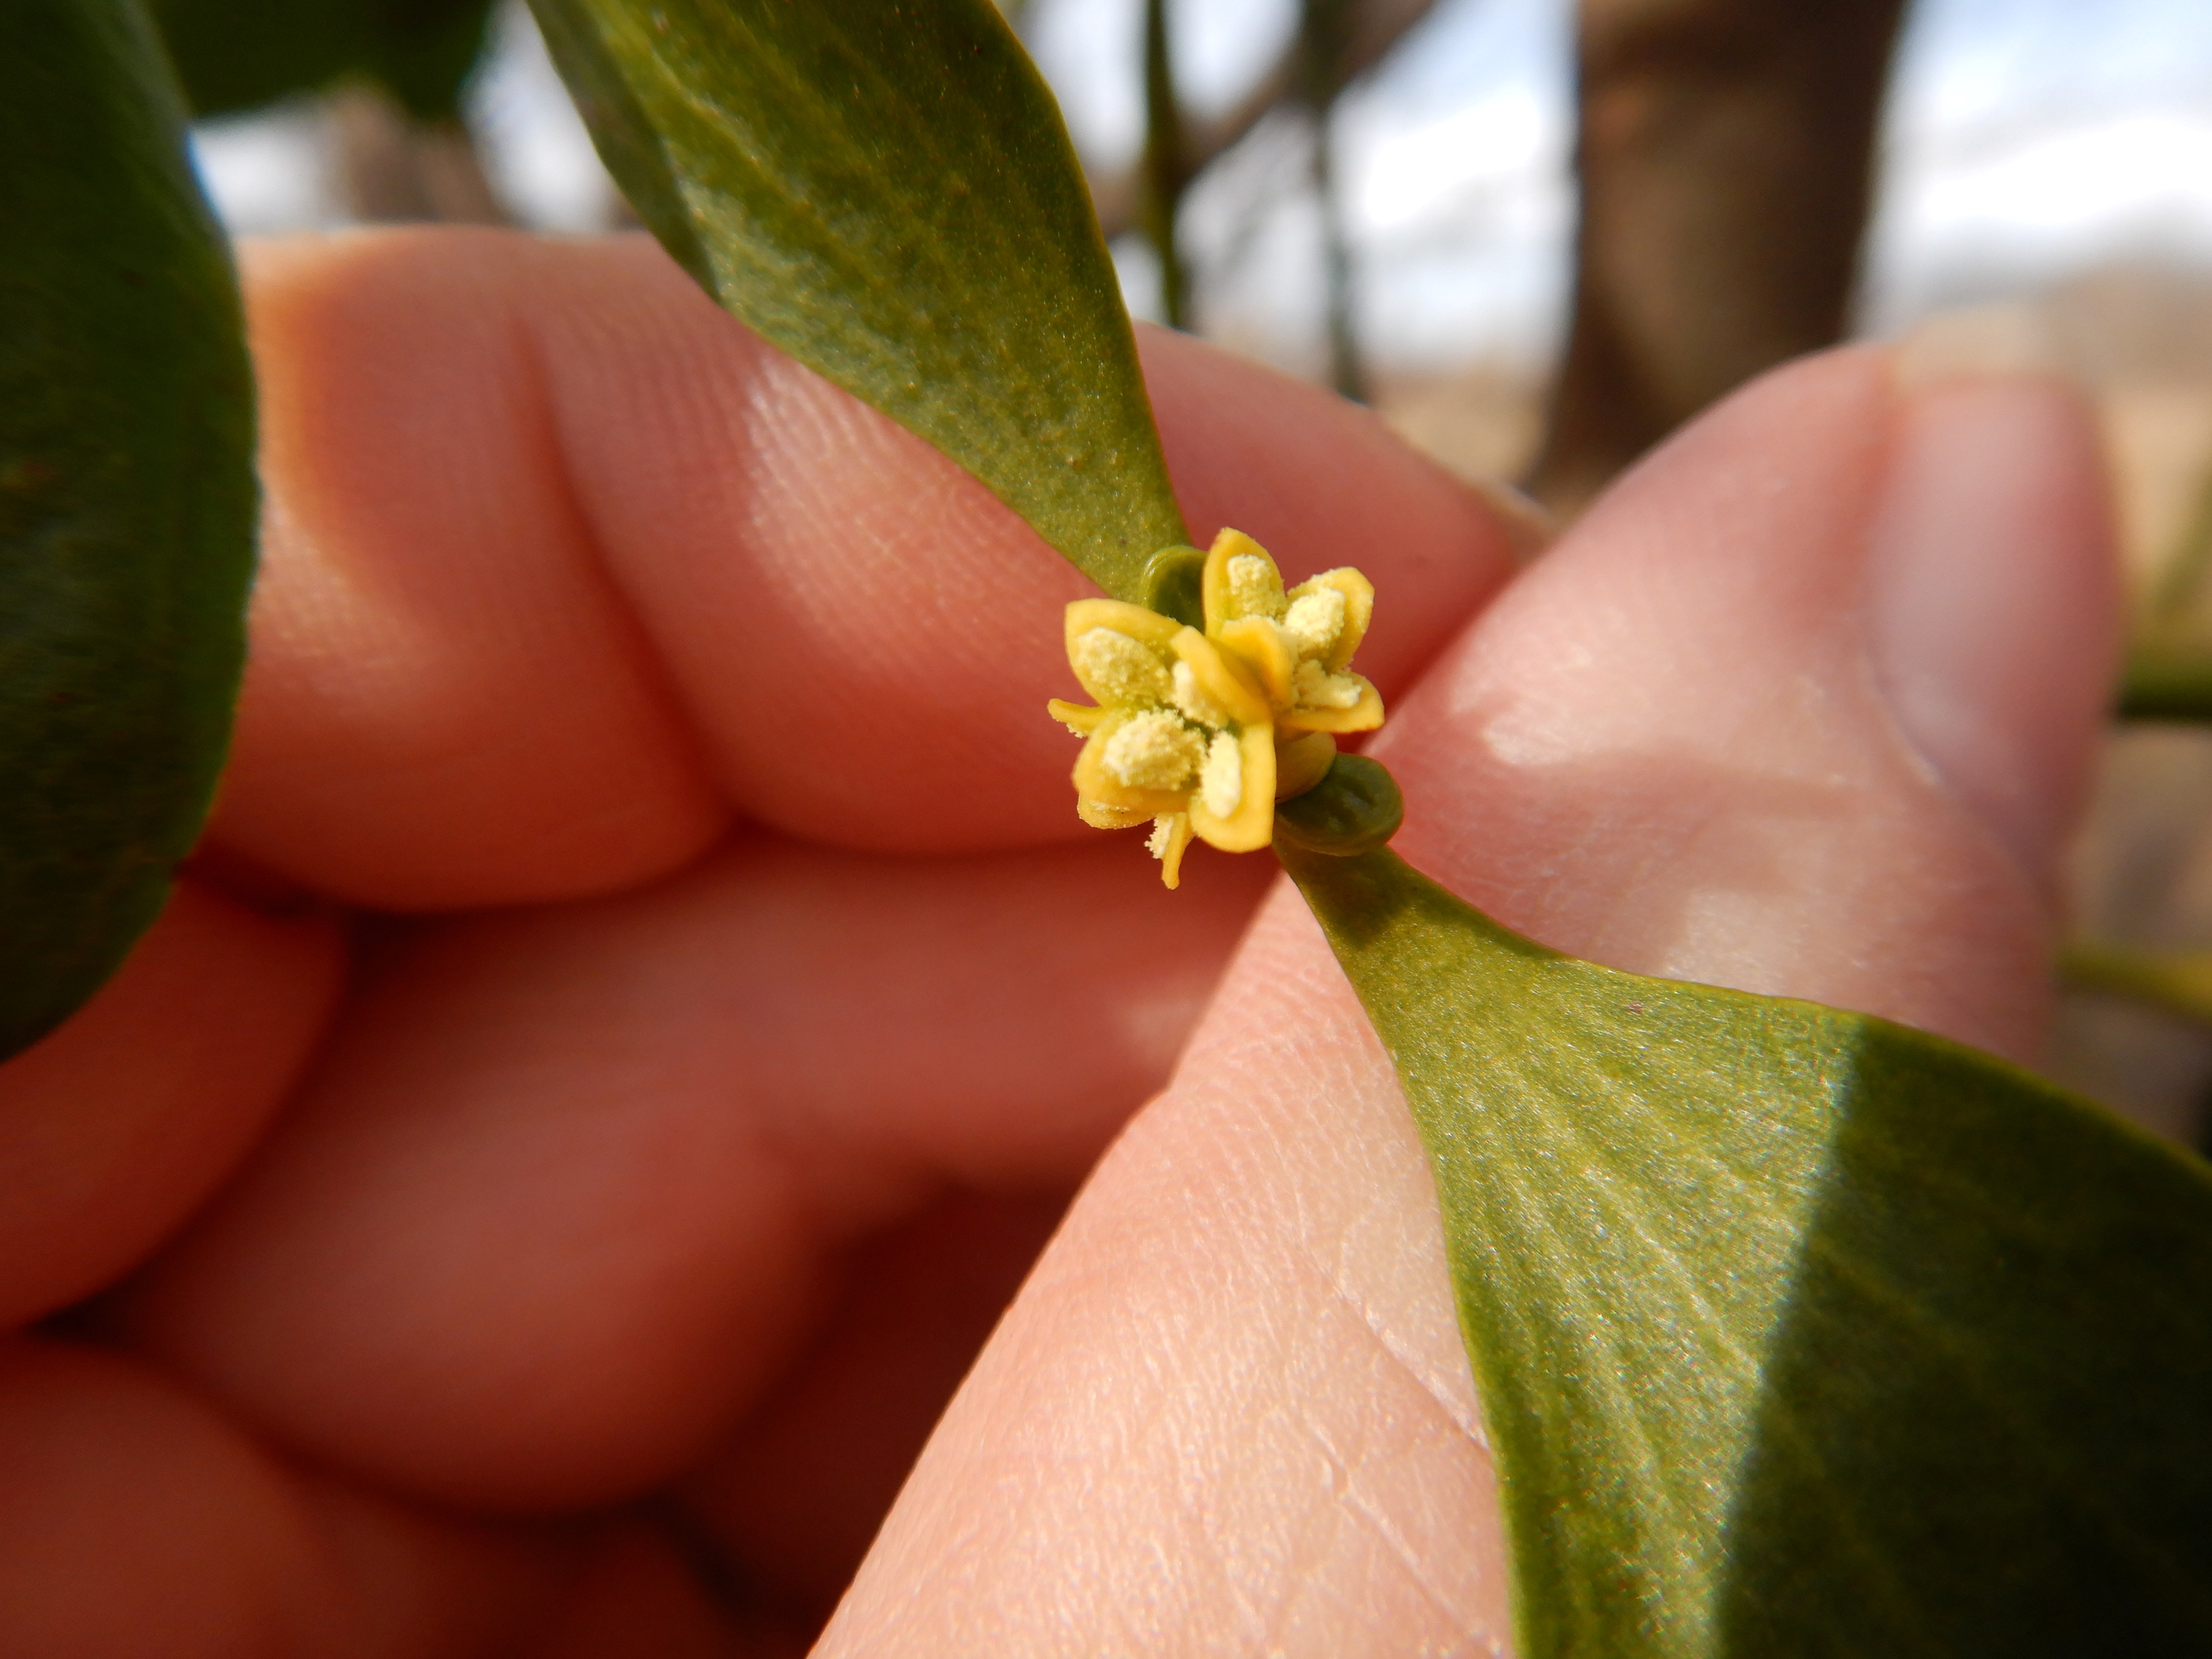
(1377, 25)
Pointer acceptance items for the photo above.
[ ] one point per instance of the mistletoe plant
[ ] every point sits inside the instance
(1797, 1332)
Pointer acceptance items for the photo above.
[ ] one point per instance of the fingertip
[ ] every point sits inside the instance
(1674, 746)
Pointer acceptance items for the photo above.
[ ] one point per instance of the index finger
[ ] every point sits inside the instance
(565, 568)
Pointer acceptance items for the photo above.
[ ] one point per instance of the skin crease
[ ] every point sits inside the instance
(642, 675)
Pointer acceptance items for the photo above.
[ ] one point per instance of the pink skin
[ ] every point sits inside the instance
(761, 1001)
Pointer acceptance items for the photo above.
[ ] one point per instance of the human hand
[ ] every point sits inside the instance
(1806, 706)
(657, 1154)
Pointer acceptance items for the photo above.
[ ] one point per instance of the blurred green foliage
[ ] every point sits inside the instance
(236, 55)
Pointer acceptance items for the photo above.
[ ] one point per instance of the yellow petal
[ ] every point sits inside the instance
(1217, 589)
(1302, 761)
(1362, 716)
(1223, 678)
(1099, 816)
(1359, 610)
(1134, 620)
(1252, 824)
(1259, 645)
(1075, 717)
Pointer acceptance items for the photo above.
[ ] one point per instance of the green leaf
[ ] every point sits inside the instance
(127, 498)
(424, 51)
(235, 55)
(1797, 1332)
(886, 191)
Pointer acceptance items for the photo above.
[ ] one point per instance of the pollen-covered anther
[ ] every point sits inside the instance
(1316, 621)
(1318, 688)
(1155, 751)
(1256, 588)
(1122, 669)
(1221, 786)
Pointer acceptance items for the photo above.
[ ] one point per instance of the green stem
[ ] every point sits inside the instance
(2161, 682)
(2177, 981)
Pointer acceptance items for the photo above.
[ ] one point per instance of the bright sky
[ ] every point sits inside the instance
(2026, 140)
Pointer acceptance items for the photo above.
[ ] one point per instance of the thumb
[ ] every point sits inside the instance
(1806, 706)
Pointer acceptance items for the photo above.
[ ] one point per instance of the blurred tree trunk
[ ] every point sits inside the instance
(392, 167)
(1725, 155)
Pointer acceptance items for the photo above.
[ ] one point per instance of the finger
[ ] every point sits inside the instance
(567, 1189)
(115, 1127)
(446, 699)
(793, 1498)
(134, 1521)
(631, 1594)
(1856, 784)
(1229, 1410)
(564, 564)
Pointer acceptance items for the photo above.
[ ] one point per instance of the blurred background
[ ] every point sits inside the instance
(1534, 236)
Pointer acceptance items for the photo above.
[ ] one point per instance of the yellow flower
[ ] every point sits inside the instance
(1297, 644)
(1203, 733)
(1182, 734)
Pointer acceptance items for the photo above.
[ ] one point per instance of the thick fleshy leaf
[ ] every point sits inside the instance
(1797, 1332)
(127, 498)
(886, 192)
